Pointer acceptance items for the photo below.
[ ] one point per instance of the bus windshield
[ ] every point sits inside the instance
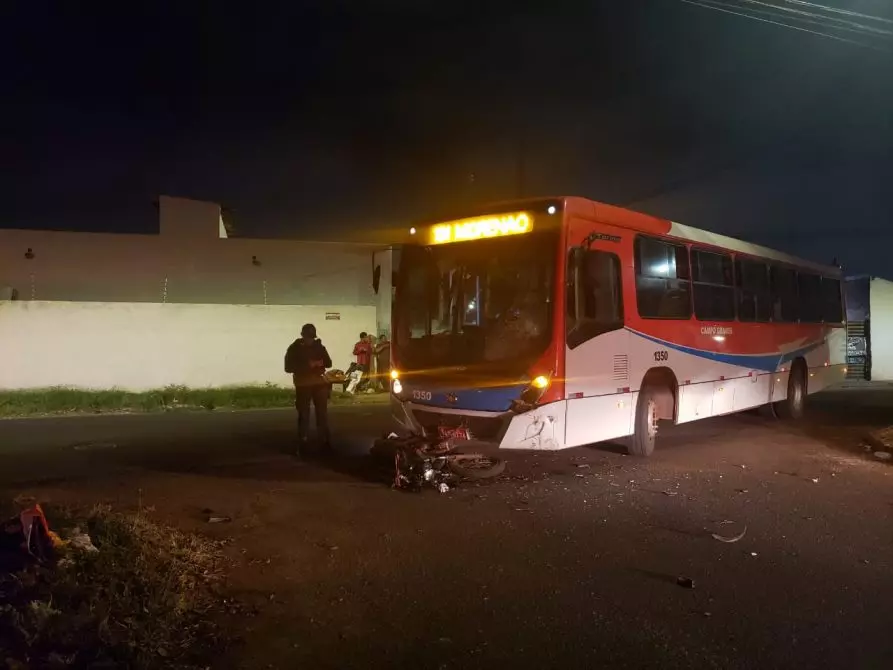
(484, 303)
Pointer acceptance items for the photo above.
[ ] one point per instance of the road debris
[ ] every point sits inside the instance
(883, 455)
(685, 582)
(219, 519)
(26, 539)
(727, 539)
(95, 446)
(421, 462)
(881, 439)
(77, 539)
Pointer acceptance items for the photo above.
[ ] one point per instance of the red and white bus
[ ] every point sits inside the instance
(563, 322)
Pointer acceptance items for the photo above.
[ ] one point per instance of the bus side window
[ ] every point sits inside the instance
(810, 293)
(713, 284)
(663, 279)
(754, 293)
(832, 303)
(785, 307)
(601, 296)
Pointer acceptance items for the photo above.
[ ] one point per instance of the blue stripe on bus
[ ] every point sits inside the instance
(492, 399)
(762, 362)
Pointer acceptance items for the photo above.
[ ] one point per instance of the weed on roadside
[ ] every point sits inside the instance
(147, 598)
(56, 401)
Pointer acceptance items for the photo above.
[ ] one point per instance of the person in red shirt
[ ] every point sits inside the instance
(363, 352)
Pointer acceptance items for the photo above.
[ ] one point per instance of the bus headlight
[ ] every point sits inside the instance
(540, 382)
(397, 387)
(534, 391)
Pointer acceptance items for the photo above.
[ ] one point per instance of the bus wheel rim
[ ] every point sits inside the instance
(651, 418)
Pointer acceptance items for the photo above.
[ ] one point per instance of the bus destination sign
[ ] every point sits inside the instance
(486, 227)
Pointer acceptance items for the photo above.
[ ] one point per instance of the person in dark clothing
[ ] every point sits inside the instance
(306, 359)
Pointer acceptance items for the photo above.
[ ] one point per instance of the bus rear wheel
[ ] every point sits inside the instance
(794, 406)
(645, 435)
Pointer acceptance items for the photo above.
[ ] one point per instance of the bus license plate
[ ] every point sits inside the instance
(447, 433)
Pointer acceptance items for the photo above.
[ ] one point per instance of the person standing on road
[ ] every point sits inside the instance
(363, 351)
(306, 359)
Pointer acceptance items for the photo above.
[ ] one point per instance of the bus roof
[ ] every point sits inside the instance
(645, 223)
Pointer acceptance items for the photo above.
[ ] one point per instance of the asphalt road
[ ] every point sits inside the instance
(571, 560)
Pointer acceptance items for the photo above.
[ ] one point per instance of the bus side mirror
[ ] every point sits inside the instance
(376, 278)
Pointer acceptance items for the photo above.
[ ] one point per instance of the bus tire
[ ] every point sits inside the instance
(644, 437)
(793, 407)
(484, 468)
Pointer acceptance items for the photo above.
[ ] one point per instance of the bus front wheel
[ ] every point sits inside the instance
(645, 435)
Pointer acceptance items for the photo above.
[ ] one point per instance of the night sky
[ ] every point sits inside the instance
(303, 118)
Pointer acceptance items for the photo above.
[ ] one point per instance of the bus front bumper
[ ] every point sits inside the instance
(538, 429)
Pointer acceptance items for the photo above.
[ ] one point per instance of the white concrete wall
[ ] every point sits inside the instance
(141, 346)
(881, 315)
(187, 262)
(149, 268)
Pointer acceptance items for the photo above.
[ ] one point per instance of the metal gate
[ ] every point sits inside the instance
(858, 359)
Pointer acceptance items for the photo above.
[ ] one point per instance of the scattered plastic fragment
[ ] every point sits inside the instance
(883, 455)
(77, 539)
(729, 540)
(219, 519)
(95, 446)
(685, 582)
